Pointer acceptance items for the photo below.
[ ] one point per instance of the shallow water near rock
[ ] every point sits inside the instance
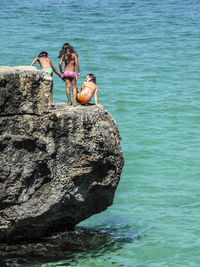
(145, 55)
(65, 247)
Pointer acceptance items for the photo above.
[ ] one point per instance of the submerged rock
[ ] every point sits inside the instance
(57, 166)
(59, 247)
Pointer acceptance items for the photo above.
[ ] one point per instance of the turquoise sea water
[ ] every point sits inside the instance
(146, 56)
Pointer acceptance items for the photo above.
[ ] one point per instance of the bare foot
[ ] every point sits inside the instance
(52, 104)
(75, 104)
(69, 103)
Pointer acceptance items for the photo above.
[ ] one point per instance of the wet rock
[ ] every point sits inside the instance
(59, 247)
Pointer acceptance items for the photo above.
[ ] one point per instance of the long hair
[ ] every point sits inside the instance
(67, 51)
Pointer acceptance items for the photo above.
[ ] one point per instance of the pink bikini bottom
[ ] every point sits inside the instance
(69, 74)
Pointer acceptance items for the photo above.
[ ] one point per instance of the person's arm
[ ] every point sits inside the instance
(96, 97)
(60, 63)
(34, 61)
(55, 70)
(77, 65)
(82, 87)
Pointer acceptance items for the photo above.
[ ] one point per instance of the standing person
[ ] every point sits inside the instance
(69, 56)
(46, 64)
(88, 89)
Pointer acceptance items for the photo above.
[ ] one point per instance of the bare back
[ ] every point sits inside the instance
(88, 90)
(70, 64)
(45, 62)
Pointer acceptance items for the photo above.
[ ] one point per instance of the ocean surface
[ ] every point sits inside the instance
(146, 57)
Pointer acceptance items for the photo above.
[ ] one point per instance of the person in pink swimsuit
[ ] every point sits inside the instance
(69, 56)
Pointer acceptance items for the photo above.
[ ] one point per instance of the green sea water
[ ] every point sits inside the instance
(146, 57)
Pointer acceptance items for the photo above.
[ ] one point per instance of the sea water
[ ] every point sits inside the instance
(146, 57)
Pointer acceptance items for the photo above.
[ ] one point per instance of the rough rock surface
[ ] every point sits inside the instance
(24, 90)
(57, 166)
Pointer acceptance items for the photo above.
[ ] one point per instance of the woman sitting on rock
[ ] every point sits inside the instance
(88, 89)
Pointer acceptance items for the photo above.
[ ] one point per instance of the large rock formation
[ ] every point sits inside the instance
(57, 166)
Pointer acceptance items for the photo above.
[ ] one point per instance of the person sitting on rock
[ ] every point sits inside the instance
(88, 89)
(47, 65)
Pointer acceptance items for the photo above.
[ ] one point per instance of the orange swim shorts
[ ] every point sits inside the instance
(82, 99)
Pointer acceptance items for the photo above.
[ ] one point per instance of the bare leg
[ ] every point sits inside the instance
(74, 90)
(67, 81)
(51, 96)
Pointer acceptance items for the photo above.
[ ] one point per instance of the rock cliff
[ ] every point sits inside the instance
(57, 166)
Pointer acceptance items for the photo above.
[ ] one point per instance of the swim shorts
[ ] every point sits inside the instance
(50, 70)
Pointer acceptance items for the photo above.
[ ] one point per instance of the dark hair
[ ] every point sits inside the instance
(43, 54)
(93, 77)
(65, 49)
